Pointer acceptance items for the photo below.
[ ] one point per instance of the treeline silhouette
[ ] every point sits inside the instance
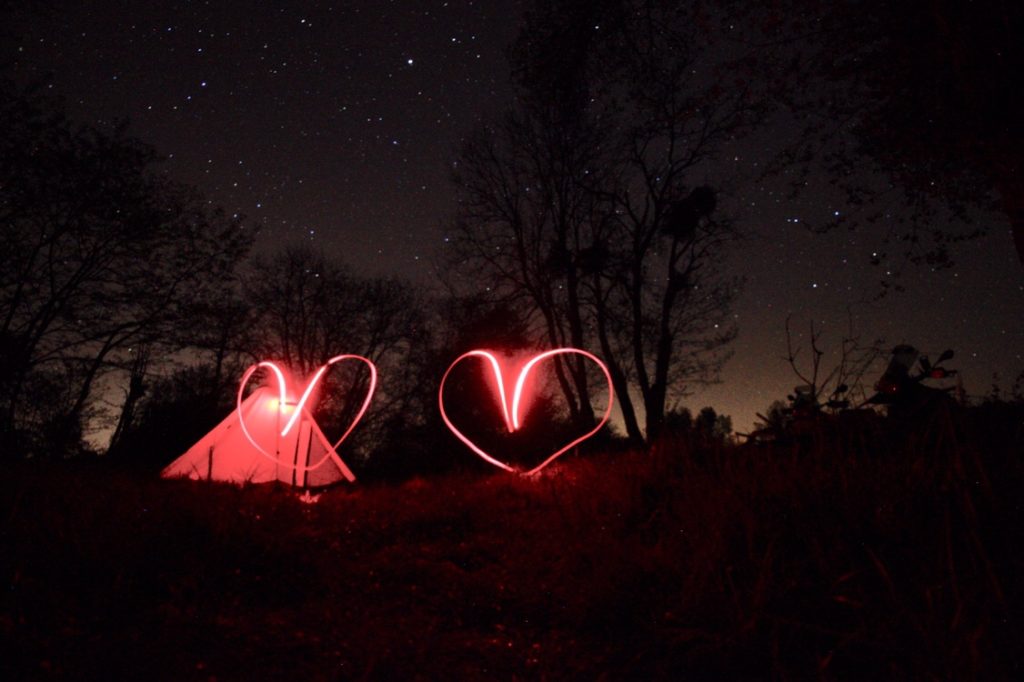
(129, 304)
(104, 262)
(131, 307)
(896, 556)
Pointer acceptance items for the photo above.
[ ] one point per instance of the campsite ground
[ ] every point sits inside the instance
(900, 561)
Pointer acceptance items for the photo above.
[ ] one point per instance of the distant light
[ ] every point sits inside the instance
(409, 62)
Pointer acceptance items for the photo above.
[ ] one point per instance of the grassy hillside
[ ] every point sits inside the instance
(899, 558)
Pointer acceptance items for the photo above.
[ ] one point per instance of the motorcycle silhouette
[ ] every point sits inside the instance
(907, 394)
(906, 391)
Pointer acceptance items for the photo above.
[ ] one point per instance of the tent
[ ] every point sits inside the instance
(249, 447)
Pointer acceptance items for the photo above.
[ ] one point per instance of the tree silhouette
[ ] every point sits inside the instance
(99, 254)
(579, 203)
(174, 411)
(921, 93)
(308, 308)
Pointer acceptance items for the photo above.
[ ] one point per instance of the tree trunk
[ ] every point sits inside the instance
(563, 381)
(73, 421)
(585, 418)
(619, 383)
(136, 389)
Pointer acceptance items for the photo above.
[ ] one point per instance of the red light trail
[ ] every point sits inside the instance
(512, 417)
(284, 406)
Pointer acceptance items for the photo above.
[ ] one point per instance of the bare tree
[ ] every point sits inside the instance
(831, 387)
(309, 308)
(909, 108)
(523, 217)
(133, 395)
(581, 202)
(98, 254)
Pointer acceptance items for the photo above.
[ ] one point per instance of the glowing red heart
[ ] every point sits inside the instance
(300, 407)
(512, 415)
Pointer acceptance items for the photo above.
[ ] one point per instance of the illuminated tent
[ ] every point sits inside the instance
(249, 447)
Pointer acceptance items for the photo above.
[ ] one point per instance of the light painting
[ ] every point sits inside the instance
(288, 410)
(513, 413)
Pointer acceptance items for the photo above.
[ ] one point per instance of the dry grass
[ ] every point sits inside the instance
(729, 563)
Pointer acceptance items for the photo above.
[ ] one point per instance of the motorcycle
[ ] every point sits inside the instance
(909, 394)
(911, 388)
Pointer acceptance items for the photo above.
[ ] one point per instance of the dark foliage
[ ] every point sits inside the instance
(309, 308)
(899, 561)
(584, 203)
(921, 93)
(100, 255)
(180, 409)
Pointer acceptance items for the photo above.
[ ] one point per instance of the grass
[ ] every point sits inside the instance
(902, 561)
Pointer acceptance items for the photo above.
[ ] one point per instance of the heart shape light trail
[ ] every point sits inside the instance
(297, 408)
(512, 414)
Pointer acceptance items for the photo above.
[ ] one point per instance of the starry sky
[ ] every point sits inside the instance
(336, 124)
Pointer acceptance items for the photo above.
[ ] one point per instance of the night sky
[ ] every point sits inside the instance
(338, 124)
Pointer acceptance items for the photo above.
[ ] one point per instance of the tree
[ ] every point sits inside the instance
(580, 204)
(921, 93)
(774, 419)
(712, 427)
(99, 254)
(831, 387)
(309, 308)
(172, 413)
(708, 427)
(193, 388)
